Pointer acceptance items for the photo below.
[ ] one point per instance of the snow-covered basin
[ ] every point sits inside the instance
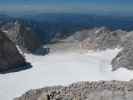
(61, 69)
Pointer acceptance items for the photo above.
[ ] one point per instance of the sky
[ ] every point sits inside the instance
(102, 6)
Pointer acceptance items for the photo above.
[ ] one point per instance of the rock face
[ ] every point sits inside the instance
(109, 40)
(103, 90)
(10, 58)
(22, 36)
(125, 56)
(123, 59)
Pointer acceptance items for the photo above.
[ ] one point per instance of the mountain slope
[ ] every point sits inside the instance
(10, 58)
(22, 35)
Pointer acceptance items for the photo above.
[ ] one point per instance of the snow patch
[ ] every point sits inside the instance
(5, 31)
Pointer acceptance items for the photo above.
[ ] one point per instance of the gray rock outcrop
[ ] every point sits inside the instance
(10, 58)
(102, 90)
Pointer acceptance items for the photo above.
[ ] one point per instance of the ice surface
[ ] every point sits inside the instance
(61, 69)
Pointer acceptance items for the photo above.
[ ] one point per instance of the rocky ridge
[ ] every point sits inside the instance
(101, 38)
(125, 56)
(102, 90)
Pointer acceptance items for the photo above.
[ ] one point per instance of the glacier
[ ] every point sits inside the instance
(62, 68)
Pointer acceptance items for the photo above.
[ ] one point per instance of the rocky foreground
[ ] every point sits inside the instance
(102, 90)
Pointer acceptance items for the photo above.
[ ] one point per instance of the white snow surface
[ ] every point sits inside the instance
(61, 69)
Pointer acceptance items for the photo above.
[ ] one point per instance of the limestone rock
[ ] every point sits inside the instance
(125, 56)
(102, 90)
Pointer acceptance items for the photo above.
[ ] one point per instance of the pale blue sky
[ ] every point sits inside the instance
(102, 6)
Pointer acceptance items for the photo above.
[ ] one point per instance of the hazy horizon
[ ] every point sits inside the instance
(71, 6)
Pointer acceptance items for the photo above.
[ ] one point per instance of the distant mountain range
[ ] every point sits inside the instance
(60, 25)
